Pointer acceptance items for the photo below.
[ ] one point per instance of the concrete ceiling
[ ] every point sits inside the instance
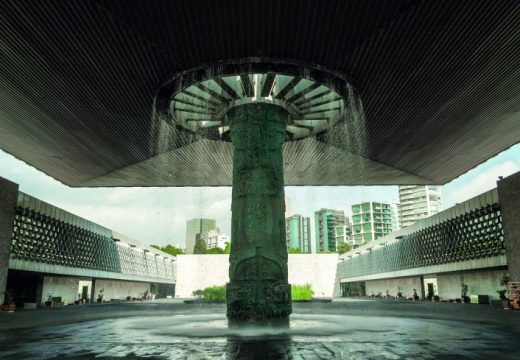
(439, 83)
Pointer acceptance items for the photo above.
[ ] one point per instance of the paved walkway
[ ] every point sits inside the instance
(338, 330)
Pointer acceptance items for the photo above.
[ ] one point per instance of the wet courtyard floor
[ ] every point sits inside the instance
(340, 330)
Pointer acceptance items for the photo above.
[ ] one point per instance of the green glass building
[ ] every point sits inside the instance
(325, 222)
(298, 231)
(370, 220)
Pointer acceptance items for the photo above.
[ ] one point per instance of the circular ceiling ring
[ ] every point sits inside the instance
(198, 100)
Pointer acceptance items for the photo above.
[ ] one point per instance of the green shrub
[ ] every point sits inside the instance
(218, 293)
(211, 294)
(214, 293)
(198, 294)
(301, 292)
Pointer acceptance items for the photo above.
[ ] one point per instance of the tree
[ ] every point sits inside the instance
(198, 294)
(343, 248)
(169, 249)
(227, 248)
(200, 246)
(292, 250)
(215, 250)
(172, 250)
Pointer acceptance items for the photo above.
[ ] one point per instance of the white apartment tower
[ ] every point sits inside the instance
(214, 238)
(419, 202)
(395, 212)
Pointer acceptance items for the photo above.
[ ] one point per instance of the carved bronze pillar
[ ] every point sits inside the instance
(257, 105)
(258, 287)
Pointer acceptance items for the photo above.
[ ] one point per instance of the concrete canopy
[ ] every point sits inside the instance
(439, 82)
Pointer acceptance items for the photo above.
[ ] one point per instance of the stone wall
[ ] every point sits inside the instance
(201, 271)
(117, 289)
(485, 282)
(318, 270)
(407, 285)
(60, 286)
(68, 287)
(448, 285)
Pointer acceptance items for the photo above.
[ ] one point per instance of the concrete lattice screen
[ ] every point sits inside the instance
(474, 235)
(48, 235)
(37, 237)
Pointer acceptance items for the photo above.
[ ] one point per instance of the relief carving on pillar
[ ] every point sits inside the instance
(236, 235)
(258, 268)
(274, 185)
(282, 229)
(244, 183)
(281, 293)
(257, 209)
(254, 156)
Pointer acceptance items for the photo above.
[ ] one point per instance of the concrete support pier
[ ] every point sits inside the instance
(509, 196)
(258, 288)
(8, 197)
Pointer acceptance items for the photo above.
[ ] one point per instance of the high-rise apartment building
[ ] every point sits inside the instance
(325, 222)
(343, 233)
(395, 212)
(419, 202)
(370, 220)
(215, 238)
(298, 232)
(194, 229)
(289, 211)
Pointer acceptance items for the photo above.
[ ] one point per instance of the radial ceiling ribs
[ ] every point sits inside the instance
(314, 99)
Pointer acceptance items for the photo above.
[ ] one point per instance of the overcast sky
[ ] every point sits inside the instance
(159, 215)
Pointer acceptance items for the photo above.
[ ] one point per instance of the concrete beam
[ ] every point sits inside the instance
(475, 264)
(8, 198)
(509, 196)
(45, 268)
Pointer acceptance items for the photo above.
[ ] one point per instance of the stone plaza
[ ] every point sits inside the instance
(340, 330)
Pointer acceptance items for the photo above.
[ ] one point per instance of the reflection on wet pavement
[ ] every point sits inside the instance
(209, 337)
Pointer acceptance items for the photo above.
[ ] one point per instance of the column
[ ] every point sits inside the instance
(509, 199)
(8, 199)
(258, 288)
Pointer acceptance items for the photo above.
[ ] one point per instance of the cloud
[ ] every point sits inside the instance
(152, 215)
(484, 181)
(149, 215)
